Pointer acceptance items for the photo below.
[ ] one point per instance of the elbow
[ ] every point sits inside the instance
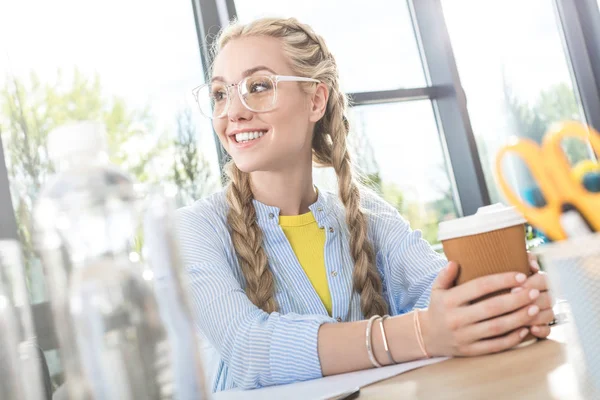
(246, 354)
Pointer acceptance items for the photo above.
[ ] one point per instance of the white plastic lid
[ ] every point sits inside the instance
(486, 219)
(78, 139)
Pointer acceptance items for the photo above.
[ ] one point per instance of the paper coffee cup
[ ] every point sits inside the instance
(491, 241)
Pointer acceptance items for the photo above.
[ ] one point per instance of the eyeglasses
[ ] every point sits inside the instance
(257, 94)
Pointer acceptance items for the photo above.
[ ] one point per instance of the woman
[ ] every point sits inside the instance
(284, 276)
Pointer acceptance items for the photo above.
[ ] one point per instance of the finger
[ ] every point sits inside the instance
(543, 318)
(544, 301)
(500, 324)
(496, 306)
(540, 331)
(537, 281)
(484, 285)
(494, 345)
(446, 277)
(533, 263)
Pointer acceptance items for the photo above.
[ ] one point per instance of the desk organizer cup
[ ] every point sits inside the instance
(573, 268)
(489, 242)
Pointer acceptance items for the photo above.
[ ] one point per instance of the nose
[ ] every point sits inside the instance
(237, 111)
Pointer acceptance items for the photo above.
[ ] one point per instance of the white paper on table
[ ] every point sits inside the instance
(327, 387)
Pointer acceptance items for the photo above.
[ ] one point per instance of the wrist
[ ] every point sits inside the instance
(426, 332)
(402, 337)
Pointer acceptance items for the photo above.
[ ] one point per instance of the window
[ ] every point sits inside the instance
(398, 152)
(374, 45)
(515, 74)
(130, 64)
(401, 154)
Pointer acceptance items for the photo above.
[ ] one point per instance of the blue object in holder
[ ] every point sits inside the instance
(534, 196)
(591, 181)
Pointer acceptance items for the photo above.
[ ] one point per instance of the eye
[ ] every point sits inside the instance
(259, 86)
(218, 95)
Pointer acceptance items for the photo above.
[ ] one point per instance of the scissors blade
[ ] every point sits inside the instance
(545, 217)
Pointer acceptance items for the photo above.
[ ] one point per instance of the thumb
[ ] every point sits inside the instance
(446, 277)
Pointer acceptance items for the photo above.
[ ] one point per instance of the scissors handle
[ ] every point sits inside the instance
(557, 163)
(547, 217)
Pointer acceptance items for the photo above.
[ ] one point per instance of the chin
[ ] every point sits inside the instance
(248, 166)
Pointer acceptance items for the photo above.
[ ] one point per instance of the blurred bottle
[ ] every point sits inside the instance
(20, 368)
(116, 339)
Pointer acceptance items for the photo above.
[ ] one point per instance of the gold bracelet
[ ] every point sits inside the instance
(385, 342)
(368, 341)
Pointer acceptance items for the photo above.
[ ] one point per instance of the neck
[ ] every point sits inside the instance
(291, 191)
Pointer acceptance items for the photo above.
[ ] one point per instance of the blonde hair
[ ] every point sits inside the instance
(309, 57)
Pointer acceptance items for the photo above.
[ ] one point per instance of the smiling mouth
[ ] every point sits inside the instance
(246, 137)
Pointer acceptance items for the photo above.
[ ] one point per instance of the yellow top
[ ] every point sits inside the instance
(308, 242)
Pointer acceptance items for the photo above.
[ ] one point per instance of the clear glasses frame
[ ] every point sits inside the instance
(244, 94)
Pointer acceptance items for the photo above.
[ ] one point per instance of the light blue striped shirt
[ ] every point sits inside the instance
(247, 348)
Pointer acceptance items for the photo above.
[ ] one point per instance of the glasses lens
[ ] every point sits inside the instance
(259, 93)
(212, 100)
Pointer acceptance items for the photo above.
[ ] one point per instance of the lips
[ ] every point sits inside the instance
(248, 136)
(245, 137)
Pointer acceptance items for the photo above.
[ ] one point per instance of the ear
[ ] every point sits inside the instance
(318, 103)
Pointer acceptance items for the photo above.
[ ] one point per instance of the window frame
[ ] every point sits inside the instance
(8, 222)
(580, 24)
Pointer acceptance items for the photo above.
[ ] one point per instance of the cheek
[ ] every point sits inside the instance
(220, 126)
(292, 124)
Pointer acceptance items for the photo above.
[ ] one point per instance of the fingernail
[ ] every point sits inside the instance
(516, 290)
(523, 333)
(535, 265)
(533, 294)
(521, 278)
(535, 329)
(533, 310)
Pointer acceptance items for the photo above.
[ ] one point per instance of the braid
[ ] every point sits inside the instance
(247, 240)
(310, 57)
(365, 276)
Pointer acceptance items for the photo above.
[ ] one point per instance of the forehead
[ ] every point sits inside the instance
(242, 54)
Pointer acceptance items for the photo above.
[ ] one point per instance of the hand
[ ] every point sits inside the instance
(539, 281)
(452, 326)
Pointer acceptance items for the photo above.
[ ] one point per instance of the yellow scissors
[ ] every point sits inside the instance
(551, 170)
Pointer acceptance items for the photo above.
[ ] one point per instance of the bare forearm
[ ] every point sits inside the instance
(342, 347)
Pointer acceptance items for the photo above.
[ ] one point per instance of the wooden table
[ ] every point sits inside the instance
(538, 371)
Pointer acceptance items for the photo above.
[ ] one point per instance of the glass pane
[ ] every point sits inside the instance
(130, 64)
(516, 77)
(374, 45)
(397, 147)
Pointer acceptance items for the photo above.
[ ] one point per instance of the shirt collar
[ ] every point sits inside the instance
(269, 215)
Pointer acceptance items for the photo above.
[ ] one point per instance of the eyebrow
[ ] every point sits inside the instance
(247, 72)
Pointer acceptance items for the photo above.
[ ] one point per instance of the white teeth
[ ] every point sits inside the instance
(247, 136)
